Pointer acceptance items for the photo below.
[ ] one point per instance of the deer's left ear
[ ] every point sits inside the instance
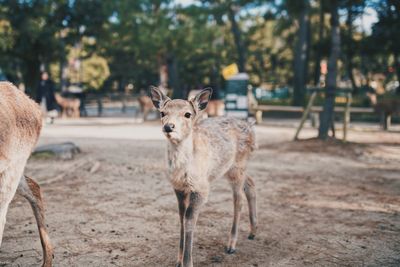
(202, 98)
(158, 97)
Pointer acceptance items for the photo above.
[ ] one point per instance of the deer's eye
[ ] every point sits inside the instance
(188, 115)
(162, 114)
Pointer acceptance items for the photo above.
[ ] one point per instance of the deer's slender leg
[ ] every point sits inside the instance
(181, 196)
(250, 191)
(237, 181)
(196, 200)
(8, 186)
(30, 190)
(145, 114)
(5, 202)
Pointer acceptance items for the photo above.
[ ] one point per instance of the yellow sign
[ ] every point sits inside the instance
(230, 71)
(340, 99)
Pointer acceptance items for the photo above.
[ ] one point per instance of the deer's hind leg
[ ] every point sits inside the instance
(236, 178)
(30, 190)
(8, 187)
(250, 191)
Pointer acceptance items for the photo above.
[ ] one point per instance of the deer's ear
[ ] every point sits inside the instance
(158, 97)
(202, 98)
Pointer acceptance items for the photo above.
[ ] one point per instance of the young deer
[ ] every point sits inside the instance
(199, 151)
(20, 124)
(146, 106)
(69, 107)
(385, 108)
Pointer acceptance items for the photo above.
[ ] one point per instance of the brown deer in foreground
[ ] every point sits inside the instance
(199, 151)
(20, 125)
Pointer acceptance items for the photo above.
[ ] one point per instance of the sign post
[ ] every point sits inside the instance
(236, 100)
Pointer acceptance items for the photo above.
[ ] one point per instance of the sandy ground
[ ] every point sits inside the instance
(319, 204)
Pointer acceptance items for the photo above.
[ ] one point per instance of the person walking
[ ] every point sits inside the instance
(45, 96)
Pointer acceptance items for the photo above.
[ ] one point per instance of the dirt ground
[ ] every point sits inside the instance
(319, 204)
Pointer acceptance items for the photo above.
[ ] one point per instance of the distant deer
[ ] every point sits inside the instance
(69, 107)
(20, 124)
(199, 151)
(385, 108)
(146, 105)
(214, 108)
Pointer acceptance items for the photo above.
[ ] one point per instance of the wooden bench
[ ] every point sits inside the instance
(347, 110)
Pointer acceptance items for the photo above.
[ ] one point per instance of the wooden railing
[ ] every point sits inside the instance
(310, 108)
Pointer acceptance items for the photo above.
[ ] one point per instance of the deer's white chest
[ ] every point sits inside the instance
(184, 171)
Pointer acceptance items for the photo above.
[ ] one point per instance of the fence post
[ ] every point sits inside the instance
(305, 114)
(123, 96)
(259, 114)
(346, 119)
(99, 106)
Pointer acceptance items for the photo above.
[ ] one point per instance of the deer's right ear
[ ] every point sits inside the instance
(202, 98)
(158, 97)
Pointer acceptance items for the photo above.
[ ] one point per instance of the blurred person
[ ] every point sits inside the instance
(45, 96)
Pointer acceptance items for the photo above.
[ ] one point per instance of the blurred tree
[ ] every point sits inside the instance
(231, 9)
(34, 26)
(386, 31)
(301, 9)
(88, 70)
(41, 29)
(185, 46)
(354, 9)
(319, 42)
(127, 44)
(326, 118)
(269, 47)
(95, 72)
(6, 35)
(145, 42)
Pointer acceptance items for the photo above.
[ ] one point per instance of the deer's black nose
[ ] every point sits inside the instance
(169, 127)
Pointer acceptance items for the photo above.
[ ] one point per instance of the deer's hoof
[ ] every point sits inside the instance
(178, 264)
(48, 263)
(230, 250)
(251, 236)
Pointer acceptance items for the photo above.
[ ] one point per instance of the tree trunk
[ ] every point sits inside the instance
(238, 39)
(162, 70)
(397, 67)
(173, 77)
(326, 118)
(300, 61)
(350, 52)
(261, 63)
(63, 66)
(350, 72)
(31, 76)
(317, 67)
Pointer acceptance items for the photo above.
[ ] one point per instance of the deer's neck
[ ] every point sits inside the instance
(180, 155)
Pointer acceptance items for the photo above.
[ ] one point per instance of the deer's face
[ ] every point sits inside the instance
(178, 116)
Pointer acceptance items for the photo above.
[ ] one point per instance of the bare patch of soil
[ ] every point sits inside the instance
(319, 204)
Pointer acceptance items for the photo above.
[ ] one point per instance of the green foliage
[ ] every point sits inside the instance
(41, 30)
(95, 72)
(6, 35)
(132, 40)
(385, 39)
